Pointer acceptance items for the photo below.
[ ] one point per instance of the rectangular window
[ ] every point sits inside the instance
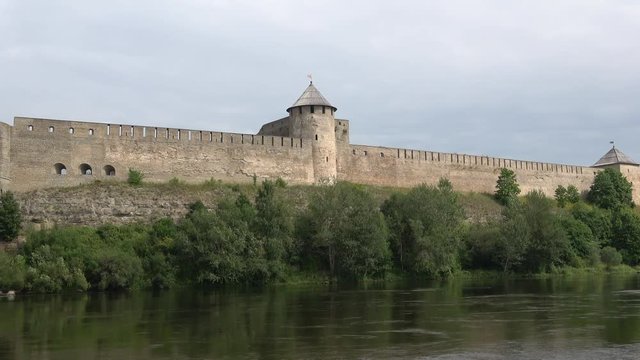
(313, 109)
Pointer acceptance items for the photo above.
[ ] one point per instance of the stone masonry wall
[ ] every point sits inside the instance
(160, 153)
(404, 168)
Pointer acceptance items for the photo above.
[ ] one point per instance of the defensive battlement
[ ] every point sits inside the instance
(65, 129)
(465, 160)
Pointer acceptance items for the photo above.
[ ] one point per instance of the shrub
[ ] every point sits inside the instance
(12, 271)
(610, 256)
(135, 177)
(10, 217)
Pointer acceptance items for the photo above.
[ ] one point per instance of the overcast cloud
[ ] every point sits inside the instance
(535, 80)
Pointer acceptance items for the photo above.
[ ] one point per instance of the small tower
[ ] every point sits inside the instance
(311, 118)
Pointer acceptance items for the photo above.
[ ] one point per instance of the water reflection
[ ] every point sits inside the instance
(492, 319)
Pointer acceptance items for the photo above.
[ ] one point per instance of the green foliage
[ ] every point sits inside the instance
(532, 237)
(626, 234)
(561, 195)
(610, 190)
(344, 231)
(426, 229)
(572, 194)
(598, 220)
(583, 244)
(507, 187)
(135, 177)
(547, 241)
(610, 256)
(514, 239)
(274, 224)
(10, 217)
(480, 246)
(12, 271)
(568, 195)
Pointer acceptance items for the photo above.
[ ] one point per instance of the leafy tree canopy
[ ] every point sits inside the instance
(610, 190)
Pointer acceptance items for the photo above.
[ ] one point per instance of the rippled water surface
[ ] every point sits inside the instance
(586, 317)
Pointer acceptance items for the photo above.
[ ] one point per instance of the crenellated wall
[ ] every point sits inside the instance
(39, 153)
(160, 153)
(405, 167)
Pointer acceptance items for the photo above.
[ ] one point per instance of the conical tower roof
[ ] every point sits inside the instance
(311, 96)
(614, 156)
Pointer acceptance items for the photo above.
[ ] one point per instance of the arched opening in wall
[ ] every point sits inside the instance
(91, 132)
(109, 170)
(60, 169)
(312, 109)
(71, 130)
(85, 169)
(51, 129)
(30, 127)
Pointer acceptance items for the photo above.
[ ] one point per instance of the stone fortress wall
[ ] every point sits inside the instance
(308, 146)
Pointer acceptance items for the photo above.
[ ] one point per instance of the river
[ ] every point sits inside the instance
(582, 317)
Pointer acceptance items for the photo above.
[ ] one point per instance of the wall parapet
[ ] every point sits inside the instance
(124, 132)
(466, 160)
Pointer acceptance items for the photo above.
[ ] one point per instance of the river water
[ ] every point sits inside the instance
(584, 317)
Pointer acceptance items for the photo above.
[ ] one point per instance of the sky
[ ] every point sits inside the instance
(541, 80)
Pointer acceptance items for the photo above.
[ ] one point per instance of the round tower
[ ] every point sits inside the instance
(311, 118)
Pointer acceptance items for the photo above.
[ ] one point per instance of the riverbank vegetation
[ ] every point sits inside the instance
(342, 231)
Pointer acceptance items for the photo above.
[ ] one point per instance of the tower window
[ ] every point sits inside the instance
(313, 109)
(90, 131)
(327, 159)
(316, 136)
(30, 127)
(323, 109)
(300, 109)
(71, 130)
(51, 129)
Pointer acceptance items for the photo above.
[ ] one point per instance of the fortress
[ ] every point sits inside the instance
(308, 146)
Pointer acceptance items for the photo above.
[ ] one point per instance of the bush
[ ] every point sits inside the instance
(135, 177)
(10, 217)
(12, 271)
(610, 256)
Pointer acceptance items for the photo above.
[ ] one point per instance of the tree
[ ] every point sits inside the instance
(561, 195)
(345, 230)
(507, 187)
(273, 223)
(568, 195)
(548, 240)
(10, 217)
(514, 237)
(610, 190)
(426, 228)
(626, 234)
(572, 195)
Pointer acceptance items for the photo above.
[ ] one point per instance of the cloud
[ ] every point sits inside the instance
(540, 80)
